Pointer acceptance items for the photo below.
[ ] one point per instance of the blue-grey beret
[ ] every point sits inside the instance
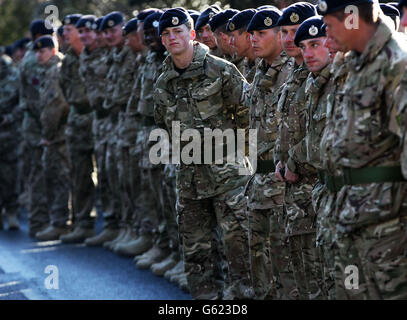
(310, 29)
(240, 20)
(297, 13)
(264, 19)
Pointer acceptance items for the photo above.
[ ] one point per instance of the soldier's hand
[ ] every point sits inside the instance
(278, 173)
(291, 177)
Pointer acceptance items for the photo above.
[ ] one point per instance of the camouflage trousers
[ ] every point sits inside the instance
(8, 178)
(323, 203)
(269, 258)
(371, 262)
(168, 228)
(79, 139)
(197, 220)
(301, 232)
(37, 203)
(57, 182)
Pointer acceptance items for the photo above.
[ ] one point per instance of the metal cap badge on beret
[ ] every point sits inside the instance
(111, 20)
(389, 10)
(172, 18)
(206, 15)
(71, 19)
(152, 21)
(222, 18)
(130, 26)
(44, 42)
(297, 13)
(240, 20)
(86, 21)
(38, 27)
(310, 29)
(325, 7)
(146, 12)
(264, 19)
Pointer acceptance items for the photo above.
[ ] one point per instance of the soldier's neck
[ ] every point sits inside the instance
(362, 38)
(77, 47)
(270, 60)
(183, 60)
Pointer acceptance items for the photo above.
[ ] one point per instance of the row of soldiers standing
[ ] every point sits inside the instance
(328, 190)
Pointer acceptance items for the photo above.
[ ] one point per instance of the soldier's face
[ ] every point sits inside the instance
(333, 46)
(404, 17)
(152, 40)
(223, 42)
(71, 34)
(265, 42)
(337, 30)
(206, 36)
(88, 37)
(178, 39)
(44, 54)
(133, 42)
(114, 36)
(241, 42)
(18, 54)
(287, 40)
(316, 55)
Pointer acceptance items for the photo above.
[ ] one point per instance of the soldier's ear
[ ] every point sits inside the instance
(54, 51)
(193, 34)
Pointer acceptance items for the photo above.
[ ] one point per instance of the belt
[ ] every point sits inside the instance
(82, 109)
(353, 177)
(265, 166)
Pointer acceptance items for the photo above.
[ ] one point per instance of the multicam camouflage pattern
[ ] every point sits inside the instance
(55, 161)
(371, 215)
(93, 70)
(37, 204)
(10, 114)
(79, 138)
(213, 89)
(265, 192)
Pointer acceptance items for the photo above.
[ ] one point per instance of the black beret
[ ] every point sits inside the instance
(297, 13)
(310, 29)
(60, 31)
(44, 42)
(222, 18)
(328, 6)
(402, 3)
(267, 7)
(130, 26)
(20, 44)
(194, 15)
(98, 22)
(389, 10)
(38, 27)
(152, 21)
(264, 19)
(72, 19)
(86, 21)
(240, 20)
(172, 18)
(111, 20)
(146, 12)
(206, 15)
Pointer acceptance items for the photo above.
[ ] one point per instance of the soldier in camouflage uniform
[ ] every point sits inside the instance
(204, 32)
(240, 41)
(371, 206)
(29, 96)
(304, 157)
(119, 82)
(200, 90)
(291, 109)
(54, 113)
(10, 115)
(79, 135)
(265, 191)
(93, 68)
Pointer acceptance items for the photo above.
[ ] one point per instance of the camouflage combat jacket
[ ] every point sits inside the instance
(9, 108)
(367, 139)
(54, 107)
(206, 95)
